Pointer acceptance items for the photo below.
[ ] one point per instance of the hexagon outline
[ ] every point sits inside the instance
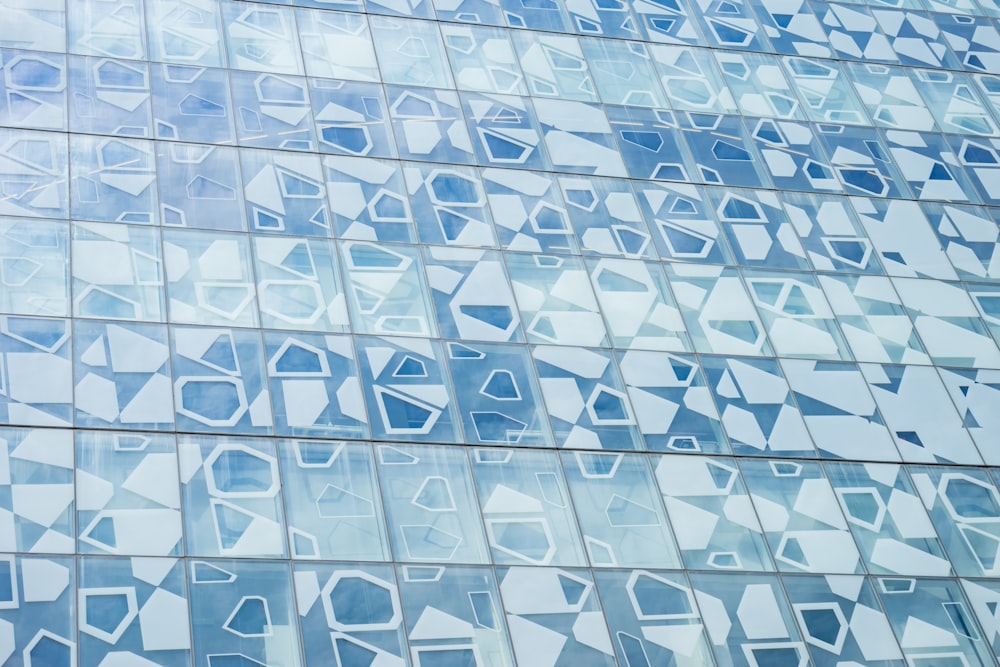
(214, 490)
(330, 612)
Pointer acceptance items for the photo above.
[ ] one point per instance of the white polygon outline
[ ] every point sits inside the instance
(241, 397)
(272, 463)
(640, 615)
(427, 529)
(42, 634)
(132, 611)
(871, 491)
(268, 628)
(331, 616)
(943, 483)
(266, 309)
(447, 487)
(838, 645)
(415, 652)
(544, 560)
(319, 511)
(272, 363)
(799, 647)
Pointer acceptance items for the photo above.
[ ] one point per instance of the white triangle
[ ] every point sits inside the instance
(506, 500)
(41, 503)
(436, 624)
(378, 358)
(92, 492)
(95, 355)
(54, 448)
(921, 634)
(152, 570)
(154, 480)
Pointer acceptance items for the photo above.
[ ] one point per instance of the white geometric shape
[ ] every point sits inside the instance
(266, 629)
(274, 481)
(759, 613)
(534, 644)
(389, 623)
(114, 634)
(590, 629)
(164, 622)
(436, 624)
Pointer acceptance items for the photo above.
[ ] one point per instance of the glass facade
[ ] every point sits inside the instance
(496, 333)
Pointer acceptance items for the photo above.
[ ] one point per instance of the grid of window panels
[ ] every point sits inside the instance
(496, 333)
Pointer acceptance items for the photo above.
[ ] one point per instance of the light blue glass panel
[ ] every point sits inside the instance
(133, 610)
(36, 180)
(332, 502)
(39, 27)
(982, 594)
(261, 38)
(606, 217)
(368, 199)
(430, 504)
(483, 59)
(200, 187)
(691, 79)
(505, 131)
(888, 519)
(970, 237)
(285, 193)
(273, 111)
(839, 410)
(209, 278)
(406, 390)
(654, 618)
(360, 604)
(719, 314)
(620, 511)
(410, 53)
(466, 598)
(668, 22)
(38, 387)
(429, 125)
(114, 179)
(964, 505)
(672, 404)
(930, 167)
(528, 212)
(651, 145)
(561, 605)
(711, 513)
(854, 34)
(449, 205)
(919, 414)
(34, 267)
(41, 627)
(543, 15)
(872, 319)
(890, 96)
(498, 395)
(351, 118)
(315, 387)
(110, 97)
(758, 228)
(578, 137)
(954, 102)
(243, 611)
(862, 161)
(762, 630)
(219, 380)
(473, 298)
(186, 32)
(417, 8)
(554, 66)
(611, 18)
(903, 238)
(386, 289)
(915, 37)
(933, 622)
(298, 284)
(122, 376)
(800, 517)
(831, 233)
(526, 507)
(759, 86)
(721, 150)
(981, 160)
(100, 28)
(192, 104)
(793, 156)
(841, 619)
(624, 73)
(556, 300)
(757, 407)
(36, 497)
(469, 11)
(128, 498)
(799, 321)
(32, 89)
(231, 493)
(683, 223)
(337, 45)
(825, 91)
(976, 394)
(640, 312)
(792, 28)
(730, 25)
(948, 322)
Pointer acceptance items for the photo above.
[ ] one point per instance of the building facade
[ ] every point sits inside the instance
(496, 333)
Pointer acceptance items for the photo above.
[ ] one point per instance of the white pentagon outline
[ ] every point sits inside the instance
(943, 483)
(491, 536)
(871, 491)
(132, 611)
(799, 647)
(272, 363)
(627, 420)
(451, 498)
(46, 634)
(838, 645)
(640, 615)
